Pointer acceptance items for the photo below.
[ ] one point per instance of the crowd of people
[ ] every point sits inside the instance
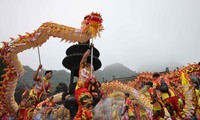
(87, 93)
(166, 101)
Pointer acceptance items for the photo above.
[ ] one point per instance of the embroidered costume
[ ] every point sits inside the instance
(31, 98)
(84, 94)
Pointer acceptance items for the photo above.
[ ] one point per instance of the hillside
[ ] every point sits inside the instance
(114, 70)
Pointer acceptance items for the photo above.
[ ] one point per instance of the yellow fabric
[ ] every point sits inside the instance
(197, 95)
(147, 94)
(46, 83)
(180, 103)
(157, 106)
(166, 112)
(184, 81)
(143, 114)
(198, 103)
(198, 113)
(115, 115)
(166, 95)
(129, 103)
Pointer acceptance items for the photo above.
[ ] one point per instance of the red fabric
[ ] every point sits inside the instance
(88, 114)
(174, 102)
(5, 117)
(82, 93)
(24, 114)
(137, 112)
(79, 92)
(81, 111)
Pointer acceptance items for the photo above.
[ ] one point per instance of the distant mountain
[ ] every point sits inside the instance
(116, 70)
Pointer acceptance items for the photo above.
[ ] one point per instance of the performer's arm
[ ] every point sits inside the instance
(154, 96)
(35, 77)
(87, 53)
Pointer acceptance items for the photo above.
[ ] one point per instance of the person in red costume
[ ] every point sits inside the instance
(84, 93)
(169, 97)
(31, 98)
(130, 109)
(158, 107)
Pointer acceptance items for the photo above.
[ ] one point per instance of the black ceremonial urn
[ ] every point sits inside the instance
(72, 63)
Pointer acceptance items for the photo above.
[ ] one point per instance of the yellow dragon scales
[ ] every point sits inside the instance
(180, 80)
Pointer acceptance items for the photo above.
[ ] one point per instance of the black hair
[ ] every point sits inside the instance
(48, 71)
(86, 16)
(127, 94)
(149, 83)
(156, 74)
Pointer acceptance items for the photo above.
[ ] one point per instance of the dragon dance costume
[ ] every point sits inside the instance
(158, 111)
(129, 109)
(169, 99)
(31, 98)
(83, 93)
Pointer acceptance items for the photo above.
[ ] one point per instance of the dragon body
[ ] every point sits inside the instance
(8, 53)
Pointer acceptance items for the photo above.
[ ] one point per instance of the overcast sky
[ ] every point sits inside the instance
(143, 35)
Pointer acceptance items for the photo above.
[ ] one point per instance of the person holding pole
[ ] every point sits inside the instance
(31, 98)
(83, 94)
